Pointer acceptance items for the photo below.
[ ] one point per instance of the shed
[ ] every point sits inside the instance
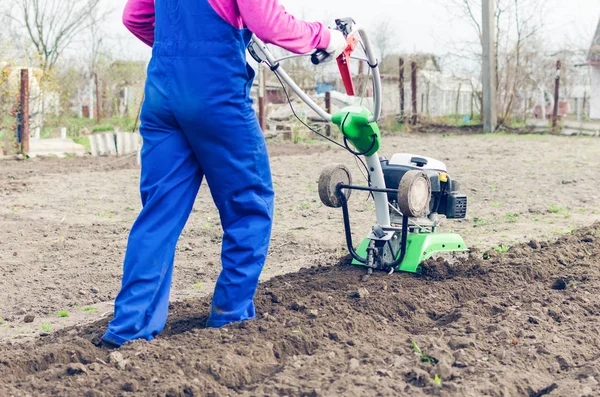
(594, 62)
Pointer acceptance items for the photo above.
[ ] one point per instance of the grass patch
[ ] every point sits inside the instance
(197, 286)
(501, 248)
(103, 128)
(83, 140)
(47, 328)
(90, 309)
(511, 217)
(478, 222)
(63, 313)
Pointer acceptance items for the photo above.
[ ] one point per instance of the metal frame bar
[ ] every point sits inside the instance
(372, 61)
(348, 227)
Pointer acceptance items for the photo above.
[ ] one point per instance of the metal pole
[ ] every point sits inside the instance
(24, 111)
(490, 116)
(413, 89)
(556, 88)
(328, 110)
(261, 97)
(401, 90)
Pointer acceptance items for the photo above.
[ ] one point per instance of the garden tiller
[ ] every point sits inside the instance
(410, 191)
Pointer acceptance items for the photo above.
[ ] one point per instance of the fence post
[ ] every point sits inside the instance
(556, 87)
(24, 111)
(401, 78)
(98, 115)
(328, 109)
(261, 97)
(413, 90)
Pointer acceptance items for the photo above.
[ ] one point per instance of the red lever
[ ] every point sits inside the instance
(343, 62)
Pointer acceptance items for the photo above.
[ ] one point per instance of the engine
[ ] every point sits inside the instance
(445, 198)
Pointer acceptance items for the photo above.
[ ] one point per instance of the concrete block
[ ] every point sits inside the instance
(54, 147)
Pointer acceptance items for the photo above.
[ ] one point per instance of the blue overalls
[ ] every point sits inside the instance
(197, 121)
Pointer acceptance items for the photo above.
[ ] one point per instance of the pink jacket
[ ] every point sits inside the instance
(266, 18)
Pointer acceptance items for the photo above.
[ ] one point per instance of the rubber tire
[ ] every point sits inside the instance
(411, 202)
(332, 176)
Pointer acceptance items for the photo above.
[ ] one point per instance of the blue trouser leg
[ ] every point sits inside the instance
(233, 154)
(171, 177)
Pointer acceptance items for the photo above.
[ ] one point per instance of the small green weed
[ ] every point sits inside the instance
(1, 320)
(197, 286)
(90, 309)
(496, 204)
(478, 222)
(437, 380)
(422, 355)
(63, 313)
(47, 328)
(501, 248)
(556, 209)
(511, 217)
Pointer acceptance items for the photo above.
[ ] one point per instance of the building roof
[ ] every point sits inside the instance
(594, 54)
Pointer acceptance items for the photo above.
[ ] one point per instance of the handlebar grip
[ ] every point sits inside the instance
(319, 56)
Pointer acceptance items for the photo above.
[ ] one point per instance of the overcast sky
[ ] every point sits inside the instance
(421, 25)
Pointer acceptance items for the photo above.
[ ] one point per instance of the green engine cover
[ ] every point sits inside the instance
(420, 247)
(354, 123)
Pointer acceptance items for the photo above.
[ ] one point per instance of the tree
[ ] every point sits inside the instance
(51, 25)
(384, 39)
(519, 24)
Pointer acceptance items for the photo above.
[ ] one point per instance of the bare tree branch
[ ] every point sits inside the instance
(53, 24)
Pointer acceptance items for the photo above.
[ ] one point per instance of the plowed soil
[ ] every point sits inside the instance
(524, 322)
(519, 317)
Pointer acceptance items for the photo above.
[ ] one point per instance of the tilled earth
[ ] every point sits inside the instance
(517, 318)
(524, 322)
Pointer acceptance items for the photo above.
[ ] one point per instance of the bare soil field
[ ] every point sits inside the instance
(522, 321)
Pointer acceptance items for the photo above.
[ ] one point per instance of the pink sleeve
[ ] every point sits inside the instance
(139, 18)
(271, 23)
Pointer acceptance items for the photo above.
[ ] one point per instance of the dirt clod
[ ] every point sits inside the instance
(116, 358)
(353, 364)
(560, 284)
(76, 369)
(28, 318)
(457, 343)
(362, 293)
(130, 387)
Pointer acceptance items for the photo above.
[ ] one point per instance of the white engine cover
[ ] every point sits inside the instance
(404, 159)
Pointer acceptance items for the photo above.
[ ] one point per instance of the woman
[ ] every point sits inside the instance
(198, 122)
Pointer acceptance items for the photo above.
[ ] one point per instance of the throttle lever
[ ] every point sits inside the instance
(319, 56)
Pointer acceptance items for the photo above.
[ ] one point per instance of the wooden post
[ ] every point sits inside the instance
(457, 102)
(413, 89)
(98, 115)
(401, 65)
(24, 111)
(261, 97)
(556, 97)
(328, 110)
